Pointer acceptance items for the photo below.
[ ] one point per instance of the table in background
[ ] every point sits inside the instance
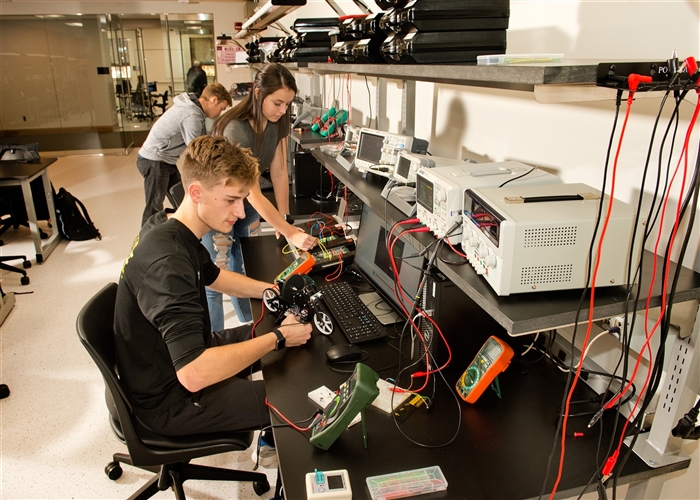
(13, 173)
(500, 451)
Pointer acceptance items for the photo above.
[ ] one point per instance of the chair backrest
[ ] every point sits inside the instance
(164, 104)
(176, 194)
(95, 326)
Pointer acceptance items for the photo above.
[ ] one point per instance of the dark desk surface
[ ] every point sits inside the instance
(310, 138)
(501, 448)
(526, 312)
(23, 170)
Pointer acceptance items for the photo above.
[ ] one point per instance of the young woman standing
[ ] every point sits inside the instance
(262, 123)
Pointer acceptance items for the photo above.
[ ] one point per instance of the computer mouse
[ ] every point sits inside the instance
(343, 352)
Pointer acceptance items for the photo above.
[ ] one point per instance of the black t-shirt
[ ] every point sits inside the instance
(161, 319)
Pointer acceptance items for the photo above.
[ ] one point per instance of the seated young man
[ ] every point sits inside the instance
(181, 377)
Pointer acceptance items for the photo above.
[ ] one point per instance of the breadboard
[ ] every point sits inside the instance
(383, 401)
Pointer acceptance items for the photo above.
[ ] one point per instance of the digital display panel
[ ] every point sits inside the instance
(403, 167)
(492, 350)
(335, 482)
(424, 193)
(369, 147)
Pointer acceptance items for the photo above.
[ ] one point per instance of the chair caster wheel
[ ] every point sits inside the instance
(26, 264)
(113, 470)
(24, 280)
(261, 487)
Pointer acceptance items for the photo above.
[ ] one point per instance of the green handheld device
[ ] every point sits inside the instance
(353, 396)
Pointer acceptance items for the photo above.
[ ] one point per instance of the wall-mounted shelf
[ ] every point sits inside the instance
(554, 82)
(508, 76)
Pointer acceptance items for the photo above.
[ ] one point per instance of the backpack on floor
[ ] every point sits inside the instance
(74, 222)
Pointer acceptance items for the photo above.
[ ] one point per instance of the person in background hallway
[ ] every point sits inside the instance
(170, 134)
(196, 79)
(261, 122)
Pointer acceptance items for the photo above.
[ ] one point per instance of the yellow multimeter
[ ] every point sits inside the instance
(492, 359)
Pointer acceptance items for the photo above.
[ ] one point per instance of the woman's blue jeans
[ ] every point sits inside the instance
(215, 299)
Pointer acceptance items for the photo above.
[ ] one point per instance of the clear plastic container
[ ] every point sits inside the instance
(332, 149)
(407, 483)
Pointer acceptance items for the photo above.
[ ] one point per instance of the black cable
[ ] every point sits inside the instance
(658, 364)
(686, 425)
(584, 293)
(518, 177)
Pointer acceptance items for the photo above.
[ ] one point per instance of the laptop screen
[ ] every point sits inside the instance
(372, 258)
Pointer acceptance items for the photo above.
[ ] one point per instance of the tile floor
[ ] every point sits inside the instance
(54, 435)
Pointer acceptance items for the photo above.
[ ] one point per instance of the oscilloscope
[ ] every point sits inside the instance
(439, 190)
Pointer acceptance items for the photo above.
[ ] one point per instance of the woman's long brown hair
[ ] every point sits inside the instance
(269, 79)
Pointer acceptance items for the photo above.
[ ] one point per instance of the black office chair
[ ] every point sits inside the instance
(141, 105)
(6, 222)
(167, 457)
(162, 105)
(176, 194)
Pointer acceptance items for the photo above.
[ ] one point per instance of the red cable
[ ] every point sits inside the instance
(455, 250)
(684, 155)
(291, 424)
(398, 291)
(592, 297)
(330, 174)
(262, 313)
(339, 270)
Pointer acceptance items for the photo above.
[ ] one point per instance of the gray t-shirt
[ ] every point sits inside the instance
(242, 133)
(173, 131)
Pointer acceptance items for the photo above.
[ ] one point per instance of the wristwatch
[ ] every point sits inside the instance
(280, 339)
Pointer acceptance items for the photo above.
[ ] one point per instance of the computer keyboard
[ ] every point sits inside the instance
(352, 316)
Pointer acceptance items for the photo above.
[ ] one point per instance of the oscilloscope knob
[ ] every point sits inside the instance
(483, 252)
(473, 241)
(441, 195)
(490, 261)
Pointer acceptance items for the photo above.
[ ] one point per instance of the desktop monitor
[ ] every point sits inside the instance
(152, 87)
(372, 258)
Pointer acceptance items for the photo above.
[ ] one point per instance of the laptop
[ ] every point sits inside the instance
(373, 264)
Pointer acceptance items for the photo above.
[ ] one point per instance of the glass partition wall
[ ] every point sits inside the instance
(94, 84)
